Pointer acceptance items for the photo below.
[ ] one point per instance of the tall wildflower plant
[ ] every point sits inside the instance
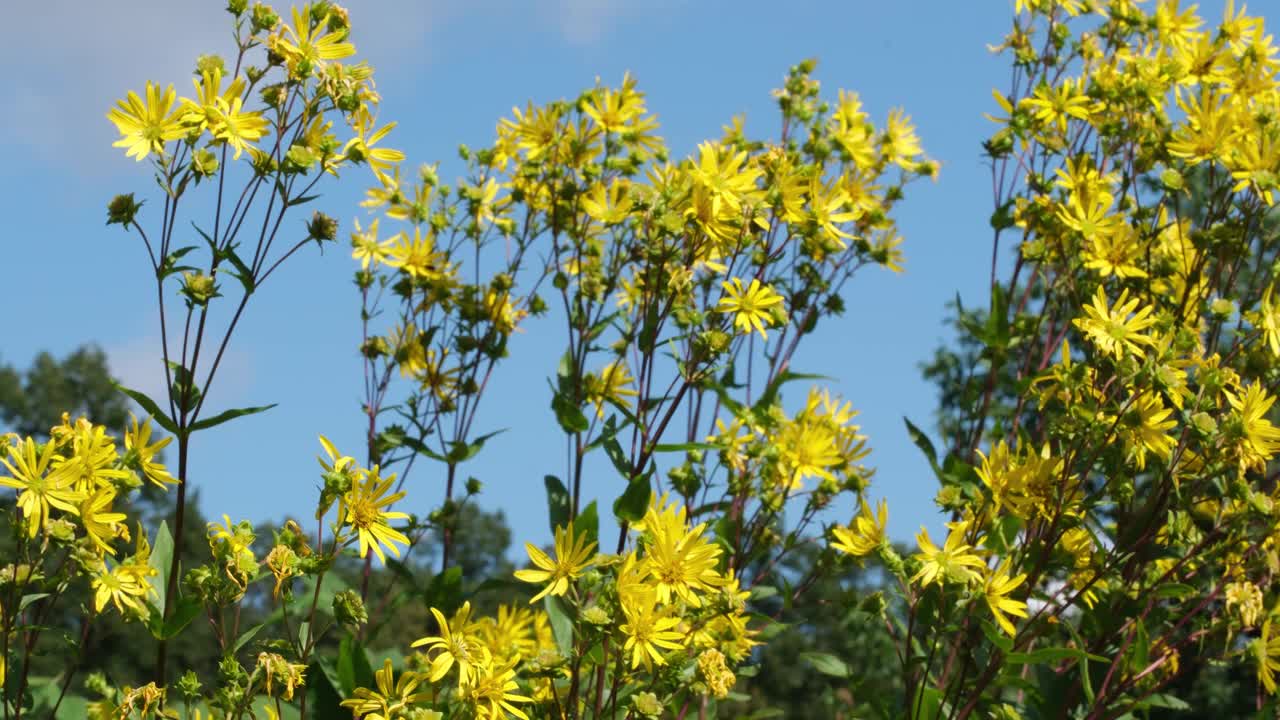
(258, 135)
(1109, 468)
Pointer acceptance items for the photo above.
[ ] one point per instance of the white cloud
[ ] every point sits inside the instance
(137, 364)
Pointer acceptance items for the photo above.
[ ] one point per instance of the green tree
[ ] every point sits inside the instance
(33, 400)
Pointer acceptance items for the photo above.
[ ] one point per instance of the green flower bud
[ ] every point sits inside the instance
(646, 704)
(322, 227)
(264, 18)
(204, 163)
(122, 209)
(349, 609)
(198, 288)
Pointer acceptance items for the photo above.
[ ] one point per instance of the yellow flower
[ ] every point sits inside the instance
(807, 449)
(678, 557)
(750, 306)
(308, 42)
(40, 492)
(417, 256)
(996, 591)
(1145, 429)
(865, 534)
(1259, 440)
(1269, 320)
(611, 385)
(454, 645)
(1116, 329)
(99, 523)
(363, 509)
(121, 586)
(361, 147)
(608, 205)
(573, 556)
(491, 690)
(146, 126)
(390, 698)
(135, 442)
(898, 142)
(1266, 653)
(649, 631)
(955, 561)
(366, 247)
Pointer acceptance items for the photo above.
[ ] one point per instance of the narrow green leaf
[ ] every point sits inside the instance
(229, 415)
(246, 637)
(826, 664)
(150, 407)
(923, 442)
(684, 447)
(558, 506)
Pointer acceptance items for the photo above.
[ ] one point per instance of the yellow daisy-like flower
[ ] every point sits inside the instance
(456, 644)
(99, 523)
(865, 533)
(40, 491)
(135, 442)
(1116, 329)
(955, 561)
(751, 306)
(391, 696)
(145, 126)
(363, 509)
(573, 557)
(996, 592)
(648, 632)
(492, 692)
(122, 587)
(679, 558)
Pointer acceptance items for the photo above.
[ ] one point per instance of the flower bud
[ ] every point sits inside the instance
(122, 209)
(322, 227)
(349, 609)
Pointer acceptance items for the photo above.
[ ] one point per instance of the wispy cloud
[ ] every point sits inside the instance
(136, 363)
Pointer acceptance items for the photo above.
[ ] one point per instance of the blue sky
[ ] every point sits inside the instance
(447, 73)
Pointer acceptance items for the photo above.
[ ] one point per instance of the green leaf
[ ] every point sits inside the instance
(150, 407)
(587, 524)
(1175, 591)
(685, 447)
(634, 501)
(826, 664)
(561, 624)
(927, 704)
(323, 695)
(226, 415)
(770, 394)
(354, 669)
(28, 599)
(996, 637)
(558, 507)
(246, 637)
(183, 612)
(609, 441)
(161, 560)
(444, 592)
(568, 414)
(923, 442)
(1165, 700)
(461, 452)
